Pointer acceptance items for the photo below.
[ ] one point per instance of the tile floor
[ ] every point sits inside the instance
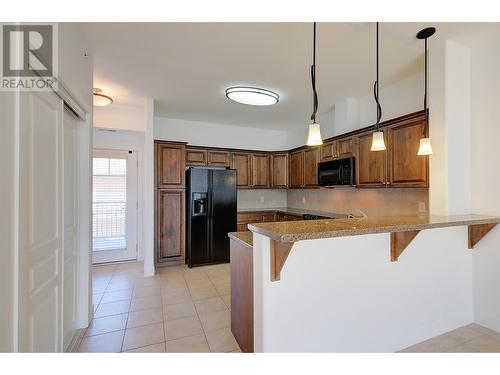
(177, 310)
(472, 338)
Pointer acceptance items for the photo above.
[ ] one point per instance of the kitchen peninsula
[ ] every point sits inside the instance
(310, 281)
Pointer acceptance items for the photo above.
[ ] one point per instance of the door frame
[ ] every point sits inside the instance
(132, 215)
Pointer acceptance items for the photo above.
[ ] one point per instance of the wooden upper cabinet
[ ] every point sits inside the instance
(170, 225)
(328, 150)
(195, 156)
(345, 147)
(222, 158)
(370, 165)
(311, 160)
(242, 163)
(260, 171)
(406, 168)
(279, 170)
(171, 165)
(296, 169)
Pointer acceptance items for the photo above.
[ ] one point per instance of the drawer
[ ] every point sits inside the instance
(247, 217)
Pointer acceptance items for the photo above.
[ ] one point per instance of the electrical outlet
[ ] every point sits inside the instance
(303, 200)
(262, 199)
(421, 207)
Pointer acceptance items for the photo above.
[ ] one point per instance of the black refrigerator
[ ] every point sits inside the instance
(210, 214)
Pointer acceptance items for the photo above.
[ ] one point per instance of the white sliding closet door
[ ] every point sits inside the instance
(40, 222)
(48, 223)
(70, 263)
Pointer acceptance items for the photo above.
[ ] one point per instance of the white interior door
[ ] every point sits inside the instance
(40, 222)
(70, 215)
(114, 206)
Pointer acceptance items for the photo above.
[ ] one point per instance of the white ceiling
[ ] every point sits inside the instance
(186, 67)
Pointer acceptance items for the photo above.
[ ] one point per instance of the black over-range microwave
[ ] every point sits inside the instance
(336, 172)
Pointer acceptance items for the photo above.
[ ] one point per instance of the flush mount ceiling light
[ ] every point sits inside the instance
(101, 100)
(252, 95)
(314, 137)
(425, 142)
(378, 143)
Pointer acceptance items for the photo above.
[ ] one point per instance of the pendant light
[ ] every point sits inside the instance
(378, 143)
(425, 142)
(314, 137)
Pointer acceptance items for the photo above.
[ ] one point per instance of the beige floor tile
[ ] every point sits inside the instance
(480, 329)
(199, 283)
(221, 281)
(155, 348)
(216, 272)
(212, 304)
(145, 303)
(216, 320)
(176, 297)
(222, 340)
(105, 343)
(96, 298)
(203, 292)
(112, 308)
(191, 344)
(223, 288)
(145, 317)
(482, 344)
(195, 273)
(184, 327)
(107, 324)
(227, 300)
(143, 336)
(146, 291)
(120, 295)
(113, 287)
(179, 310)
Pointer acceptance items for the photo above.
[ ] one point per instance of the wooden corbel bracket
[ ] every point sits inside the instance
(477, 232)
(399, 242)
(279, 253)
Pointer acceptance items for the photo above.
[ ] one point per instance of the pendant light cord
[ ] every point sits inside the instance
(313, 78)
(376, 93)
(425, 85)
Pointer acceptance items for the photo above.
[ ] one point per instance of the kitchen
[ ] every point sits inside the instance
(338, 195)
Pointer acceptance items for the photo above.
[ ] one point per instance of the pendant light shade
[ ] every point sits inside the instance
(314, 137)
(378, 143)
(425, 147)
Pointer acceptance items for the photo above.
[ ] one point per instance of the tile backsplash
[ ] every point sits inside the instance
(369, 201)
(265, 198)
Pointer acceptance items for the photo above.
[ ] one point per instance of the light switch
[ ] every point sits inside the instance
(421, 207)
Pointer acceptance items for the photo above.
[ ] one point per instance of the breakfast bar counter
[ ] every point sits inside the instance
(344, 285)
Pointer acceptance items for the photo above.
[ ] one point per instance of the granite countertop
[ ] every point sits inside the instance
(292, 231)
(293, 211)
(244, 237)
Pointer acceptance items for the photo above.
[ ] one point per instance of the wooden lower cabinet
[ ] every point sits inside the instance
(242, 294)
(170, 232)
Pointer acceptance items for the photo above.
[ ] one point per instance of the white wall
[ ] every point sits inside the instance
(352, 113)
(127, 140)
(118, 116)
(218, 135)
(345, 295)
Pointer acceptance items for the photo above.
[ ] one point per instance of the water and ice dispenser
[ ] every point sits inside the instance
(200, 206)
